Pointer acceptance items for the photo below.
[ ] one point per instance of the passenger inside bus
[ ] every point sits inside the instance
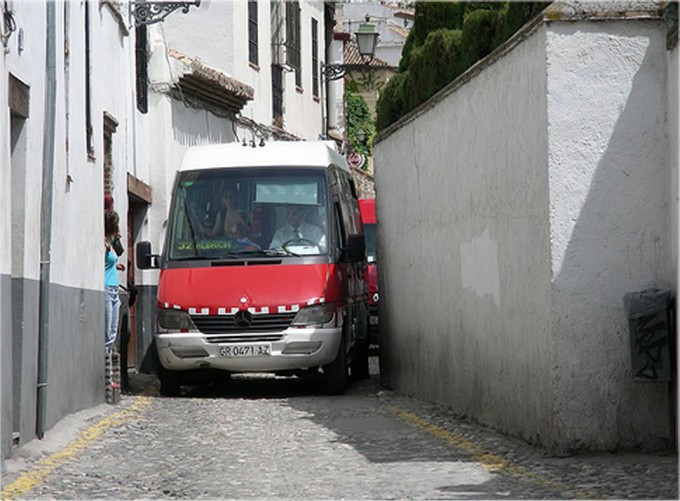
(298, 231)
(229, 222)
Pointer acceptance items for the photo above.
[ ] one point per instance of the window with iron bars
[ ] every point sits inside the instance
(252, 32)
(277, 95)
(293, 39)
(315, 58)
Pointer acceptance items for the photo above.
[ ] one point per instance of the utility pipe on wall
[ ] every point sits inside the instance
(46, 215)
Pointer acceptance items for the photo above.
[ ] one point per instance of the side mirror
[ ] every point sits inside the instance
(356, 248)
(144, 258)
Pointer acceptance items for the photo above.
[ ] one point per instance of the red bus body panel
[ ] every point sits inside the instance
(209, 289)
(367, 209)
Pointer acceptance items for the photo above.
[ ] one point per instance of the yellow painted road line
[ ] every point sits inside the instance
(37, 475)
(492, 462)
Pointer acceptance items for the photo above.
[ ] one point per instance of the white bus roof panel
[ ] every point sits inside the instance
(276, 153)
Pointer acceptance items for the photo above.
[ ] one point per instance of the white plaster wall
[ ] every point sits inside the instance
(515, 211)
(336, 92)
(75, 358)
(5, 182)
(302, 109)
(77, 233)
(217, 33)
(75, 246)
(31, 17)
(207, 31)
(673, 108)
(20, 248)
(390, 54)
(462, 201)
(75, 365)
(609, 213)
(6, 332)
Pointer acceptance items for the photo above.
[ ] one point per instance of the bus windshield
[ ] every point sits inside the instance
(226, 213)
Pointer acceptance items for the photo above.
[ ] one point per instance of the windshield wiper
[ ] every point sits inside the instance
(268, 253)
(192, 258)
(282, 252)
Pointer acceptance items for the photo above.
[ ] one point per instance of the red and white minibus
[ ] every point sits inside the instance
(263, 266)
(367, 210)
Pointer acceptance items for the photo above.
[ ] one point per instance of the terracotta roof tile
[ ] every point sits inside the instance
(351, 56)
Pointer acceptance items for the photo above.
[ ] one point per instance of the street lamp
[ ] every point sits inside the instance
(146, 13)
(367, 39)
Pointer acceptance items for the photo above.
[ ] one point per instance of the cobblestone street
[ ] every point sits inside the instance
(281, 438)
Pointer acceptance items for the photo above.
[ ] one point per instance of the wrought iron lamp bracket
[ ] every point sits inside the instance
(9, 25)
(337, 71)
(145, 13)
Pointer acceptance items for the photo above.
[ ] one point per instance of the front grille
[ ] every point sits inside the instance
(221, 324)
(244, 338)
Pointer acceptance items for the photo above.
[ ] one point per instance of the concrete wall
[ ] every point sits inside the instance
(515, 210)
(610, 223)
(462, 203)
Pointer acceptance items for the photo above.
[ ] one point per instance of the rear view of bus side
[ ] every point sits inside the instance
(367, 209)
(263, 267)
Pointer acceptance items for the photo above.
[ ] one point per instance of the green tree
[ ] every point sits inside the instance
(429, 17)
(359, 122)
(433, 65)
(446, 39)
(391, 106)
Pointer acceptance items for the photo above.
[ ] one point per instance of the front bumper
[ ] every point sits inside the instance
(298, 348)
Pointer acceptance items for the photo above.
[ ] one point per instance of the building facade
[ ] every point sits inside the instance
(66, 134)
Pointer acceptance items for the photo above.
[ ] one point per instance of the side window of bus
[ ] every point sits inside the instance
(348, 204)
(338, 227)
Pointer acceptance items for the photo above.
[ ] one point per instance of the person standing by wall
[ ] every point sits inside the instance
(112, 249)
(111, 267)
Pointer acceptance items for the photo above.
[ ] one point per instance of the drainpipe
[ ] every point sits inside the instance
(46, 215)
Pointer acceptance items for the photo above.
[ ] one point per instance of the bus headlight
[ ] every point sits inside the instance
(174, 320)
(315, 316)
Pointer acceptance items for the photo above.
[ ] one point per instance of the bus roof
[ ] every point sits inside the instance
(276, 153)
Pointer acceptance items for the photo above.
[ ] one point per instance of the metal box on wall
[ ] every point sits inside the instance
(649, 322)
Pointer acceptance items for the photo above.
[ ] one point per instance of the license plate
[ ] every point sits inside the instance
(374, 320)
(245, 350)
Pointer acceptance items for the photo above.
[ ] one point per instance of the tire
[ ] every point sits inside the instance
(359, 364)
(169, 382)
(124, 339)
(335, 373)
